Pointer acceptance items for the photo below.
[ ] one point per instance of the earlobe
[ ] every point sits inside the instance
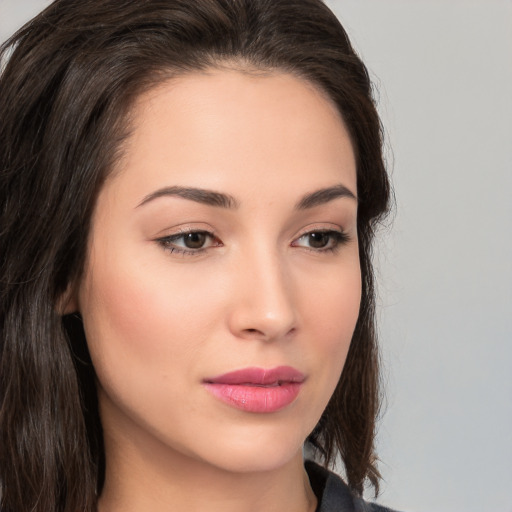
(67, 303)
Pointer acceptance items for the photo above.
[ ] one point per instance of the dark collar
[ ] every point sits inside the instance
(333, 494)
(331, 491)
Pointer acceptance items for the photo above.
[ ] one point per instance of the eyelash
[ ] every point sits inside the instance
(167, 241)
(337, 239)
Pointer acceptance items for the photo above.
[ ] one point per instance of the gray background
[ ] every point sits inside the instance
(443, 70)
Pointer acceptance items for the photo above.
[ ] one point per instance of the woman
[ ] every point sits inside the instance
(189, 197)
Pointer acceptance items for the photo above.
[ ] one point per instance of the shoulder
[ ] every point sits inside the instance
(333, 493)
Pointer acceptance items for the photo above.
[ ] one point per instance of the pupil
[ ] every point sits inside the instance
(318, 240)
(195, 240)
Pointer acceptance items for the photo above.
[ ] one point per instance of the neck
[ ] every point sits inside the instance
(146, 476)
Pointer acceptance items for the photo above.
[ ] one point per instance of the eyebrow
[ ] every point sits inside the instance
(323, 196)
(199, 195)
(221, 200)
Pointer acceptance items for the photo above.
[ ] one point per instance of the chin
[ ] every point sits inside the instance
(257, 460)
(253, 450)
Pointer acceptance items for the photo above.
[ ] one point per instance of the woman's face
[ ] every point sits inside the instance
(222, 283)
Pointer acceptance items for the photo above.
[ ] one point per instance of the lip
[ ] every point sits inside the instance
(257, 390)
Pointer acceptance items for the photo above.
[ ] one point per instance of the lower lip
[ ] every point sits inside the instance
(261, 399)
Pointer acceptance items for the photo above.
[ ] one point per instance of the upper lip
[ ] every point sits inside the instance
(259, 376)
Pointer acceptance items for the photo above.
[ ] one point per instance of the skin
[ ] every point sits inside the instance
(159, 321)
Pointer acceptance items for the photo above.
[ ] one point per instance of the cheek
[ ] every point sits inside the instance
(334, 308)
(332, 317)
(137, 322)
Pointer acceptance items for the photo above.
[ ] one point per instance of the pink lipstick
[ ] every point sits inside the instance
(257, 389)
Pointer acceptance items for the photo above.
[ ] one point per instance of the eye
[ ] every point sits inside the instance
(321, 240)
(189, 242)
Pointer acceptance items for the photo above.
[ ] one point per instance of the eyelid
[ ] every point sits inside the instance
(167, 240)
(342, 238)
(319, 227)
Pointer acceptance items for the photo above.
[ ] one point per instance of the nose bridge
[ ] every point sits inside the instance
(264, 304)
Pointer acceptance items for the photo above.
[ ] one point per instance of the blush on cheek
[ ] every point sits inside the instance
(342, 309)
(136, 313)
(339, 305)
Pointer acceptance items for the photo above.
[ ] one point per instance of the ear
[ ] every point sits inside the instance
(68, 302)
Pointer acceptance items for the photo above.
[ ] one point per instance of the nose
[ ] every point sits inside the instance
(263, 301)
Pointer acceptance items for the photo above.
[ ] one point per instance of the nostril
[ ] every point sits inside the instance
(253, 331)
(262, 333)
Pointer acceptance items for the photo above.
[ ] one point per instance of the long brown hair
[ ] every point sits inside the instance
(68, 80)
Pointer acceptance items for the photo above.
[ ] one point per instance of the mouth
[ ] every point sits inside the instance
(257, 390)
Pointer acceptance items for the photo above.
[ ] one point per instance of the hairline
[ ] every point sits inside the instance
(165, 75)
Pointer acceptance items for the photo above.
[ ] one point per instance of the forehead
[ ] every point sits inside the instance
(223, 127)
